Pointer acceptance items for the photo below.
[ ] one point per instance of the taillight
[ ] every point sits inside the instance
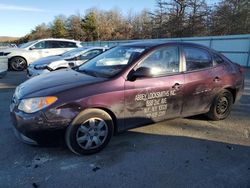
(241, 69)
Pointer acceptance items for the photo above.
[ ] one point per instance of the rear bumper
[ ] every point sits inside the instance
(239, 91)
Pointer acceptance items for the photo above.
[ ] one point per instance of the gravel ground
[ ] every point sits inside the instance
(190, 152)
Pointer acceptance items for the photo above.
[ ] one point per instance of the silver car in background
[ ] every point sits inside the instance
(68, 59)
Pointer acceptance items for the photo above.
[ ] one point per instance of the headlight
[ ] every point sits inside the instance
(35, 104)
(43, 66)
(4, 53)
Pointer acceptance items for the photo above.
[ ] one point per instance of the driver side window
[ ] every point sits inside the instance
(162, 61)
(39, 45)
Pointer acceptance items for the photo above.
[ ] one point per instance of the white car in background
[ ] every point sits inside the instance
(19, 58)
(68, 59)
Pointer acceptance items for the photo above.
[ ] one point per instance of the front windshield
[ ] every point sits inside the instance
(111, 62)
(25, 45)
(73, 52)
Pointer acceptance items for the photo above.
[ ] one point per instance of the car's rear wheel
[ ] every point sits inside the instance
(89, 132)
(18, 63)
(221, 106)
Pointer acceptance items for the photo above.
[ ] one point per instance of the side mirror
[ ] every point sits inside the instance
(77, 58)
(32, 48)
(140, 73)
(71, 64)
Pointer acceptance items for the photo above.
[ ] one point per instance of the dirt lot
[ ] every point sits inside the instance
(191, 152)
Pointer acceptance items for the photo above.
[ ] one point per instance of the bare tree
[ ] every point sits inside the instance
(197, 13)
(231, 17)
(40, 31)
(74, 28)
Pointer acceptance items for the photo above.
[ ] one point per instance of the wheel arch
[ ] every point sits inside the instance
(233, 91)
(9, 60)
(112, 115)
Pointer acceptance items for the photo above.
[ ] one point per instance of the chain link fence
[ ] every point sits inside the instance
(235, 47)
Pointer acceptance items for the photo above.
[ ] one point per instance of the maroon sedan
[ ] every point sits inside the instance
(128, 86)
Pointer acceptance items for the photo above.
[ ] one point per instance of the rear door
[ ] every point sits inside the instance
(156, 98)
(201, 80)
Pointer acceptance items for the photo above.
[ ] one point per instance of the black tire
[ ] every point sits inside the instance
(82, 132)
(221, 106)
(18, 63)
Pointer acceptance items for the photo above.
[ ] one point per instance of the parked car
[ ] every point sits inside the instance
(19, 58)
(68, 59)
(3, 66)
(125, 87)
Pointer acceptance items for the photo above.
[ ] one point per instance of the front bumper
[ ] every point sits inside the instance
(31, 72)
(32, 128)
(24, 138)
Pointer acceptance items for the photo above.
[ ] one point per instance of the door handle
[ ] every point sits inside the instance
(176, 86)
(216, 79)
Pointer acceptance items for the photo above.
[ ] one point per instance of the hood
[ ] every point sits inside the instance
(54, 82)
(13, 50)
(47, 60)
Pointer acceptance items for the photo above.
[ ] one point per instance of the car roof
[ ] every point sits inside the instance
(59, 39)
(151, 44)
(92, 47)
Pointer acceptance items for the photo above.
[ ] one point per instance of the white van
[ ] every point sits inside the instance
(19, 58)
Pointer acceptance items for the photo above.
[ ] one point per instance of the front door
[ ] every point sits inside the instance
(158, 97)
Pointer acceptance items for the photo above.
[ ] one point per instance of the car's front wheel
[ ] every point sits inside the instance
(221, 106)
(18, 63)
(89, 132)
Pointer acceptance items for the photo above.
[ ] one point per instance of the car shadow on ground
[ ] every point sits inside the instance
(155, 160)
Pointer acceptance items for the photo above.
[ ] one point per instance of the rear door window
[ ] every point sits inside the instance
(217, 59)
(69, 44)
(197, 58)
(60, 44)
